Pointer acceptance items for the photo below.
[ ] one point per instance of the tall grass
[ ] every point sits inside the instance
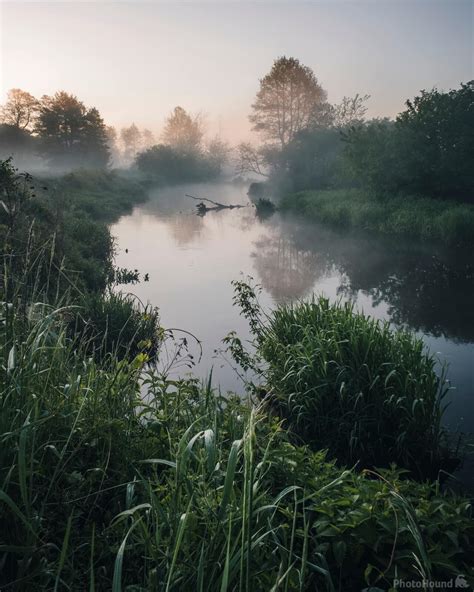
(410, 216)
(113, 476)
(347, 383)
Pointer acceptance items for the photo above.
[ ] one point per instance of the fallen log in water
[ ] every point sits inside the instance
(202, 208)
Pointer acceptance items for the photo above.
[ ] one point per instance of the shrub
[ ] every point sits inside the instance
(264, 208)
(167, 165)
(117, 478)
(347, 383)
(117, 324)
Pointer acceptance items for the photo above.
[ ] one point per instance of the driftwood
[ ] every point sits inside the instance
(203, 209)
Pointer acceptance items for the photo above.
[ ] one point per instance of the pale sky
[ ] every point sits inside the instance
(135, 61)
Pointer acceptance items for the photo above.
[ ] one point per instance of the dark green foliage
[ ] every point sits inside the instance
(429, 150)
(100, 195)
(116, 324)
(347, 383)
(168, 165)
(71, 134)
(264, 208)
(313, 160)
(66, 217)
(16, 141)
(113, 477)
(372, 155)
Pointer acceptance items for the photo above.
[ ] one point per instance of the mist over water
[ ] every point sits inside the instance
(192, 261)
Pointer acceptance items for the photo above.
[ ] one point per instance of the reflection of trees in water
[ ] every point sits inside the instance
(425, 288)
(285, 271)
(185, 228)
(424, 292)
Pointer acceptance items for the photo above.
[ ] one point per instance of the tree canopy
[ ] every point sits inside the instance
(183, 132)
(289, 100)
(71, 132)
(428, 150)
(20, 109)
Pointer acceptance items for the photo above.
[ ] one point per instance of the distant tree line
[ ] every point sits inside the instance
(64, 133)
(308, 143)
(182, 154)
(60, 128)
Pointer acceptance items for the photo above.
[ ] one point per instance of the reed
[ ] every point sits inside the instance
(113, 476)
(442, 221)
(348, 383)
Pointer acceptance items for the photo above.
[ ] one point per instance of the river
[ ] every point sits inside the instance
(191, 261)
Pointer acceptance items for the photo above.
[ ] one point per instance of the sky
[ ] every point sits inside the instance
(135, 61)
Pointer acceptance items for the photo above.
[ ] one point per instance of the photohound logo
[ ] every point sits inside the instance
(459, 583)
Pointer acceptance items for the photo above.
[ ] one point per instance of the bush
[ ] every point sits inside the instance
(428, 150)
(264, 208)
(344, 382)
(66, 218)
(166, 165)
(121, 479)
(117, 324)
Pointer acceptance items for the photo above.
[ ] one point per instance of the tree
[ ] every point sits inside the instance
(112, 144)
(16, 142)
(148, 139)
(350, 111)
(436, 142)
(250, 160)
(71, 133)
(131, 140)
(428, 150)
(20, 109)
(289, 100)
(217, 154)
(183, 132)
(94, 138)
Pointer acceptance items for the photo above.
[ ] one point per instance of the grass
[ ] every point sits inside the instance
(99, 194)
(410, 216)
(68, 217)
(347, 383)
(115, 477)
(103, 488)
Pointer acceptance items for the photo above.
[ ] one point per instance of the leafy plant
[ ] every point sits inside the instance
(347, 383)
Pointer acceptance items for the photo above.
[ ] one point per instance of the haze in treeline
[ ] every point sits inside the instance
(304, 142)
(130, 205)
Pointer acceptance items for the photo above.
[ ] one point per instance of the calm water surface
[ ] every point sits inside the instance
(192, 260)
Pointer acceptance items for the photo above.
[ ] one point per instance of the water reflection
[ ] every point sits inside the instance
(423, 288)
(192, 262)
(284, 270)
(186, 229)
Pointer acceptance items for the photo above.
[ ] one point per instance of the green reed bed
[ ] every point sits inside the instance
(423, 218)
(347, 383)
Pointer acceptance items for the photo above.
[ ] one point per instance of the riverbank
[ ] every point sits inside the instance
(450, 223)
(184, 489)
(103, 195)
(114, 476)
(77, 209)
